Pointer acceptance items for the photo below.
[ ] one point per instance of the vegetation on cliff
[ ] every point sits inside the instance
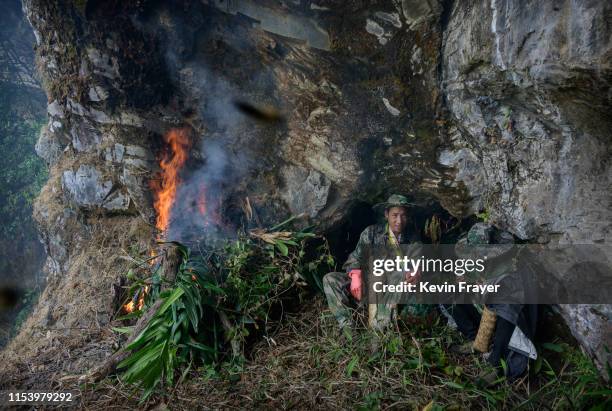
(217, 302)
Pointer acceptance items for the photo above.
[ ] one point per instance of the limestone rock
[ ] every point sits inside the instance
(47, 147)
(86, 187)
(417, 11)
(85, 137)
(306, 190)
(529, 99)
(114, 154)
(97, 93)
(544, 166)
(590, 324)
(103, 64)
(117, 202)
(55, 109)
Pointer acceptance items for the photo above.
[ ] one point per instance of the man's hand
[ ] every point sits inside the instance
(355, 287)
(413, 279)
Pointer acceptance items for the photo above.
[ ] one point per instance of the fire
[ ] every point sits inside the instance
(129, 307)
(179, 143)
(208, 213)
(137, 305)
(164, 193)
(141, 298)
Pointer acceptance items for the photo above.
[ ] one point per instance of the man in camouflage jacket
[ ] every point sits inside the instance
(343, 289)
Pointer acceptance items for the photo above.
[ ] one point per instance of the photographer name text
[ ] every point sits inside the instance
(426, 287)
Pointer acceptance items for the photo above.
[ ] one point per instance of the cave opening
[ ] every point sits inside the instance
(344, 237)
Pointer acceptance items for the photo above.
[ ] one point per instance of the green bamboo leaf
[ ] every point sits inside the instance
(144, 335)
(201, 347)
(150, 381)
(287, 221)
(215, 288)
(307, 230)
(132, 315)
(302, 235)
(150, 357)
(192, 305)
(176, 294)
(281, 247)
(538, 365)
(179, 321)
(176, 337)
(132, 358)
(600, 393)
(193, 316)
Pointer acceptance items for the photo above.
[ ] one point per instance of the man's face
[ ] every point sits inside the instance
(397, 219)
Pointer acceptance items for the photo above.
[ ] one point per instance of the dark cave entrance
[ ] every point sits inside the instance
(550, 325)
(344, 237)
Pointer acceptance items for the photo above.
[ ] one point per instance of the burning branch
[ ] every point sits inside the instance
(164, 192)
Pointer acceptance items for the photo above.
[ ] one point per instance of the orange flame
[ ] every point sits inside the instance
(132, 305)
(129, 307)
(202, 206)
(164, 193)
(179, 143)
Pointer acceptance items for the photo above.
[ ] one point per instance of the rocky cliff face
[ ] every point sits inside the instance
(527, 85)
(476, 105)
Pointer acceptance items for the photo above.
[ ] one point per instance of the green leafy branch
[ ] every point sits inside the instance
(216, 301)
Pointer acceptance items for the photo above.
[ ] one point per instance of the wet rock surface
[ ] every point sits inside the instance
(497, 106)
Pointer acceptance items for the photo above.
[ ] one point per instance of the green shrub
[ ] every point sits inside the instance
(218, 299)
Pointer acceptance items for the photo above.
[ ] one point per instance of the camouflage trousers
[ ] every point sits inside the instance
(342, 304)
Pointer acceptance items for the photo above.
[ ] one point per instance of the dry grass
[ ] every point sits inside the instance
(69, 329)
(303, 364)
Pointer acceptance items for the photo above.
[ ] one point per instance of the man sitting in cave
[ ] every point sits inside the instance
(343, 290)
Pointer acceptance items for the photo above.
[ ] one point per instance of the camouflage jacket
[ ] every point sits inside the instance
(375, 235)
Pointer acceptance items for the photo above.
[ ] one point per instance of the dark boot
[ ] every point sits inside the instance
(501, 339)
